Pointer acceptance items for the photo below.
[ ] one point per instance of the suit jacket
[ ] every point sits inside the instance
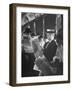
(50, 50)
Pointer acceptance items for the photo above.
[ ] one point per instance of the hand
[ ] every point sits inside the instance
(54, 59)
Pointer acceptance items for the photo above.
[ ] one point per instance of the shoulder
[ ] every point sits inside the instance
(53, 42)
(45, 44)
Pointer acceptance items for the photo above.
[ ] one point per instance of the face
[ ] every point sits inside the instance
(50, 36)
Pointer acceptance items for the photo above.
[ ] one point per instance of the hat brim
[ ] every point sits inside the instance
(50, 31)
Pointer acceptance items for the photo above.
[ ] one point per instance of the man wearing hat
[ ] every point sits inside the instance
(50, 46)
(44, 63)
(49, 51)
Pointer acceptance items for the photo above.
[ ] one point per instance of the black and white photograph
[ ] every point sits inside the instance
(40, 44)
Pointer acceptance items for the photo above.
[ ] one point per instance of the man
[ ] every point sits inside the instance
(49, 51)
(50, 46)
(53, 51)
